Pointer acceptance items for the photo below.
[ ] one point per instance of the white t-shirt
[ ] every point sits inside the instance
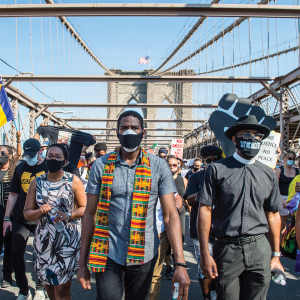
(160, 225)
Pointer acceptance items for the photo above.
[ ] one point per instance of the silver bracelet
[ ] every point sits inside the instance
(276, 254)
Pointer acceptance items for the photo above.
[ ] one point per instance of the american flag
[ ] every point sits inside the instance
(144, 60)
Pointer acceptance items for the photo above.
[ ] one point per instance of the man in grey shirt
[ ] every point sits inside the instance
(120, 271)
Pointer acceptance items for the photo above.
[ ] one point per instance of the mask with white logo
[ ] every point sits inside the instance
(32, 161)
(130, 140)
(249, 148)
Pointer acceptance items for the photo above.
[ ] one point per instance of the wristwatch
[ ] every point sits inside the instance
(69, 216)
(276, 254)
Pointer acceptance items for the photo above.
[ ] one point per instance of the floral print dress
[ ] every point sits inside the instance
(57, 253)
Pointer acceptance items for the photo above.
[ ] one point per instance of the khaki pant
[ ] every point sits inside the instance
(163, 247)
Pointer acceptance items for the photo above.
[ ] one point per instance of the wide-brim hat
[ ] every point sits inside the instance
(247, 122)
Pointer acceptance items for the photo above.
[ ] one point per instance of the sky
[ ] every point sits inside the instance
(119, 42)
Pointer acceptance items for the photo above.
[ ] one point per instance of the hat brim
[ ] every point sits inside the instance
(31, 154)
(230, 132)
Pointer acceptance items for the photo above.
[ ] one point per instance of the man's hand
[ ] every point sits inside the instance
(181, 276)
(83, 277)
(6, 225)
(297, 188)
(18, 134)
(276, 264)
(208, 266)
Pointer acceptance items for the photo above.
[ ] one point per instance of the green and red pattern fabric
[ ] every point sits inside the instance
(141, 194)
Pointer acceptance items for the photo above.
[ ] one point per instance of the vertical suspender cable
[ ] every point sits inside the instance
(277, 45)
(31, 53)
(250, 50)
(42, 53)
(240, 57)
(70, 64)
(58, 56)
(17, 47)
(223, 55)
(65, 62)
(262, 44)
(232, 69)
(268, 47)
(51, 55)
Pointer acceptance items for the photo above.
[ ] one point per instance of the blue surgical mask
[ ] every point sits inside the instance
(32, 161)
(44, 153)
(290, 162)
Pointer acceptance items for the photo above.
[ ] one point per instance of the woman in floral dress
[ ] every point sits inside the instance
(57, 253)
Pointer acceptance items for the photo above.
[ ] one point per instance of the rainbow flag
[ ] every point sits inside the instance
(6, 113)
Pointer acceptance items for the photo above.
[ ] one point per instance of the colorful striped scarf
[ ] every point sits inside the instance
(141, 194)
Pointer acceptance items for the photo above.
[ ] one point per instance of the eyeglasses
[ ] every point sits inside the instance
(173, 165)
(209, 160)
(164, 157)
(4, 153)
(56, 156)
(248, 135)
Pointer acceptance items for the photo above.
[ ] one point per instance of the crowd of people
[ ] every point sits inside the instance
(122, 215)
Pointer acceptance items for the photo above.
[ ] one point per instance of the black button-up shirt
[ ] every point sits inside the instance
(240, 192)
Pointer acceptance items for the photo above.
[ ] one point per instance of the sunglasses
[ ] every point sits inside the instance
(209, 160)
(3, 153)
(173, 165)
(248, 136)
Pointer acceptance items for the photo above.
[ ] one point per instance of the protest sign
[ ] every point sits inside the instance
(177, 148)
(268, 151)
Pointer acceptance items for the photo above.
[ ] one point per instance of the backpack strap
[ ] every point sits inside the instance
(281, 173)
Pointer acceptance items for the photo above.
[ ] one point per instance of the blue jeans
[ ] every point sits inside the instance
(136, 280)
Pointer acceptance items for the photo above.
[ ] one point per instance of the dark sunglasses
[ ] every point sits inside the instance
(209, 160)
(3, 153)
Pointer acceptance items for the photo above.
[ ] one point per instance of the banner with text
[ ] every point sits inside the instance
(268, 151)
(177, 148)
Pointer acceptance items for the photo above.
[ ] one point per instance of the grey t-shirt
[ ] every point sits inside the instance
(121, 203)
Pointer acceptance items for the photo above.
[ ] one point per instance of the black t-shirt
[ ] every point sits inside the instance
(71, 168)
(284, 182)
(22, 177)
(240, 194)
(179, 185)
(73, 138)
(4, 192)
(195, 182)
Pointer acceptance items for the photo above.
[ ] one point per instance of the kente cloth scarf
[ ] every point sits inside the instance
(141, 194)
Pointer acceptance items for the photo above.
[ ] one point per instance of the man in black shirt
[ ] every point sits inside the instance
(33, 166)
(209, 154)
(195, 168)
(239, 203)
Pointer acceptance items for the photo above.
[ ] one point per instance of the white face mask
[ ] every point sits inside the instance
(130, 150)
(32, 161)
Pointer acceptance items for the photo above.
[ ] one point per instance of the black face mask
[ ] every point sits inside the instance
(196, 169)
(3, 160)
(54, 165)
(173, 173)
(249, 148)
(130, 141)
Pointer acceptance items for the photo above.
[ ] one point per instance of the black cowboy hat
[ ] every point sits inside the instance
(247, 122)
